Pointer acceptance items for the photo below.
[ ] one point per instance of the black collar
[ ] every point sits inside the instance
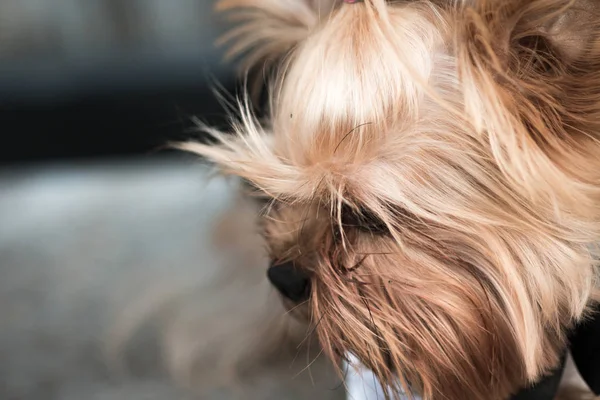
(585, 350)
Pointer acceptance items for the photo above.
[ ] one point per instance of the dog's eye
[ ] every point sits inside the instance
(363, 220)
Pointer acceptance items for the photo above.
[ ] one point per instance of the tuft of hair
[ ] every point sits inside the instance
(267, 29)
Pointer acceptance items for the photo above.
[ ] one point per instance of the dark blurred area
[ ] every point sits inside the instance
(104, 78)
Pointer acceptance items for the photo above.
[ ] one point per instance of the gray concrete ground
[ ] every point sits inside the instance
(87, 256)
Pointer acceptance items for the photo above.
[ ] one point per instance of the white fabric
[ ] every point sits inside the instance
(361, 383)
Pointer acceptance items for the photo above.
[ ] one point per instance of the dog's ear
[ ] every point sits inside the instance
(552, 34)
(530, 74)
(570, 27)
(265, 30)
(575, 30)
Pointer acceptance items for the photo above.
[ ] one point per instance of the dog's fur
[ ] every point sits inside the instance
(435, 167)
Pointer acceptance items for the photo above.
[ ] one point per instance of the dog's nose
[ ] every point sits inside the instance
(290, 281)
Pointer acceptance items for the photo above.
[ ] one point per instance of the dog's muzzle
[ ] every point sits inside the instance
(290, 281)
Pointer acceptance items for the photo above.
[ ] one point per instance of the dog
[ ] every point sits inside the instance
(430, 172)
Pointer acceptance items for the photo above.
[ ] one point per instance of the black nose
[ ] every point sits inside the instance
(290, 281)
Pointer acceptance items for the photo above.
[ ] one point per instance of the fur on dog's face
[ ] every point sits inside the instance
(433, 167)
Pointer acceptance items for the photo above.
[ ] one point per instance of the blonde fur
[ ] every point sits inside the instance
(470, 129)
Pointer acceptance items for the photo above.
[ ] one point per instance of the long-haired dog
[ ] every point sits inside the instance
(432, 176)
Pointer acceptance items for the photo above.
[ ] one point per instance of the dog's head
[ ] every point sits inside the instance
(432, 170)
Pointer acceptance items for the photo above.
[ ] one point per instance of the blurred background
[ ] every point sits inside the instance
(98, 78)
(126, 273)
